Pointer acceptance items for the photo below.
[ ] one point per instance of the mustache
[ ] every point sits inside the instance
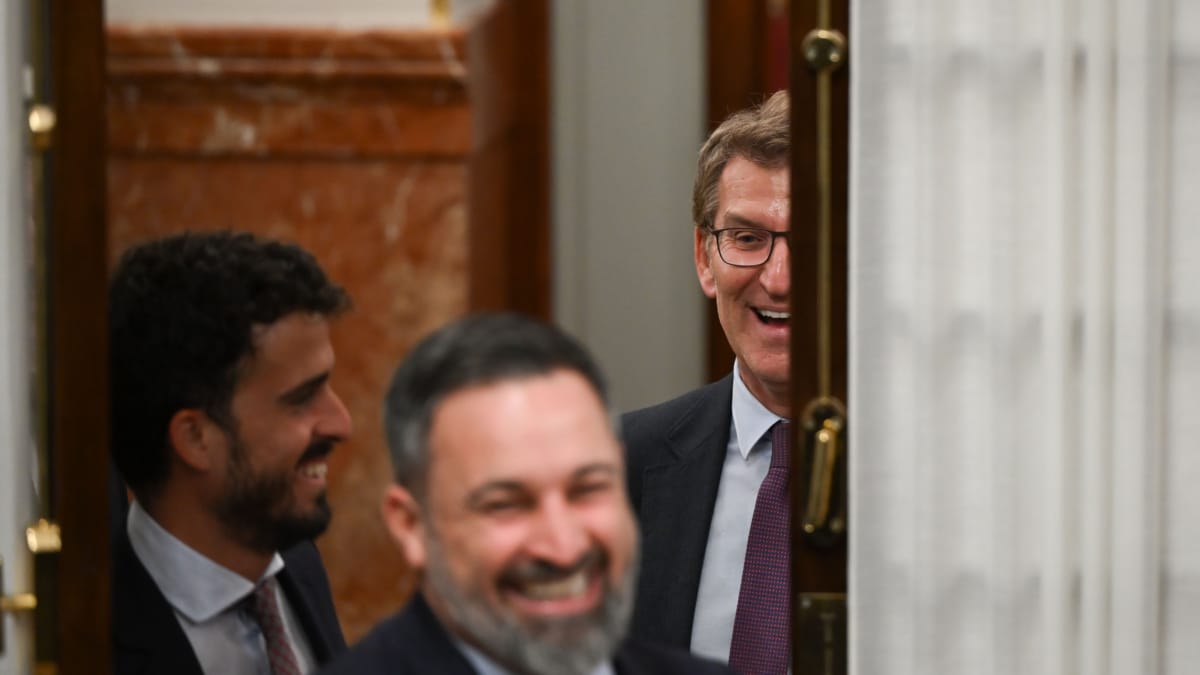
(536, 571)
(318, 448)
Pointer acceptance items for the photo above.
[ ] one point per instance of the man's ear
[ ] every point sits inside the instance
(704, 269)
(196, 439)
(402, 516)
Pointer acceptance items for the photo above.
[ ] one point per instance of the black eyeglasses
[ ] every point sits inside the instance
(747, 246)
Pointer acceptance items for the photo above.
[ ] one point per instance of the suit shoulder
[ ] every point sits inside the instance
(656, 420)
(381, 651)
(409, 642)
(636, 656)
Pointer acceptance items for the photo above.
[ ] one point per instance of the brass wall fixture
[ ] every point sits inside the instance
(824, 421)
(43, 537)
(42, 121)
(17, 603)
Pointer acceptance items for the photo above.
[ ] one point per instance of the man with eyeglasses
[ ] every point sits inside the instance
(710, 499)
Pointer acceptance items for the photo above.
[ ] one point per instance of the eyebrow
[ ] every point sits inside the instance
(476, 497)
(742, 222)
(303, 391)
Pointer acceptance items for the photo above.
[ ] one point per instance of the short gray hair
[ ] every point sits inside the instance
(761, 134)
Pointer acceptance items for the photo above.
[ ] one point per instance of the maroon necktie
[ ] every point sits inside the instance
(265, 609)
(762, 625)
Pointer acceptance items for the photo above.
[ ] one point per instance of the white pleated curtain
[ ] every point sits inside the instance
(1025, 337)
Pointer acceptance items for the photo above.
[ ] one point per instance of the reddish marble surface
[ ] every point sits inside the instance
(358, 147)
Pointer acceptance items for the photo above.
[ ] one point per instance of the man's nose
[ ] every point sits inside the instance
(558, 535)
(335, 419)
(776, 274)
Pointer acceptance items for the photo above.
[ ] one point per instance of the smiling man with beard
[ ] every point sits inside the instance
(510, 500)
(223, 419)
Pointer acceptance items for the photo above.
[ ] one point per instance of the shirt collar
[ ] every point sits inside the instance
(484, 665)
(751, 419)
(196, 587)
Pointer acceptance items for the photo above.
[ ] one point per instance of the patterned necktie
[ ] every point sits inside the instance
(265, 610)
(762, 625)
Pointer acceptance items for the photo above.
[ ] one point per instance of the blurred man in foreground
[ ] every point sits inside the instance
(510, 500)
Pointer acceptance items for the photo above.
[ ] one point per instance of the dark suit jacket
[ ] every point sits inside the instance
(147, 638)
(414, 642)
(676, 451)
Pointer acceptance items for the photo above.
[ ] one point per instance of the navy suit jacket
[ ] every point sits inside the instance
(414, 642)
(147, 638)
(675, 454)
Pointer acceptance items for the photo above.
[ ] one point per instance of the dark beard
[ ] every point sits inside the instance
(258, 511)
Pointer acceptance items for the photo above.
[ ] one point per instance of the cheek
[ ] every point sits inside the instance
(483, 551)
(731, 282)
(613, 527)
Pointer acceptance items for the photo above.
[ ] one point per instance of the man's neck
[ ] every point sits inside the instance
(201, 531)
(776, 399)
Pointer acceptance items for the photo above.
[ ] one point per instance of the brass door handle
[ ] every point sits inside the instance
(820, 485)
(824, 520)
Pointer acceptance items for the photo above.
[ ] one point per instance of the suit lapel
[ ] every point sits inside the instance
(318, 641)
(677, 508)
(147, 635)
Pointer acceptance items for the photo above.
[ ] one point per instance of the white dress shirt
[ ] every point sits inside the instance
(747, 459)
(207, 600)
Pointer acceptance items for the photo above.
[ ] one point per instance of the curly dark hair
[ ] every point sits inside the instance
(181, 316)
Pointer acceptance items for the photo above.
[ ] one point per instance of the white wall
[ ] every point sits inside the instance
(627, 104)
(17, 500)
(628, 120)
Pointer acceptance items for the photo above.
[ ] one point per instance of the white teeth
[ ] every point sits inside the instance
(775, 315)
(315, 470)
(574, 585)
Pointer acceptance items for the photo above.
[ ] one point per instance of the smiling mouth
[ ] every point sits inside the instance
(572, 586)
(313, 463)
(315, 470)
(542, 588)
(772, 318)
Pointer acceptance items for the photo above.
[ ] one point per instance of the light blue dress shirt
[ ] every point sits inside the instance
(747, 459)
(207, 602)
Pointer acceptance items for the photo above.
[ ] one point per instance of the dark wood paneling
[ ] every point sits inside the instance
(78, 334)
(737, 78)
(817, 569)
(529, 166)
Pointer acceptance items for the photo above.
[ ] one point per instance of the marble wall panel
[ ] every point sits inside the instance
(363, 148)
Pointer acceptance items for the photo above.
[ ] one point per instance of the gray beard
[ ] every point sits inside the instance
(572, 646)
